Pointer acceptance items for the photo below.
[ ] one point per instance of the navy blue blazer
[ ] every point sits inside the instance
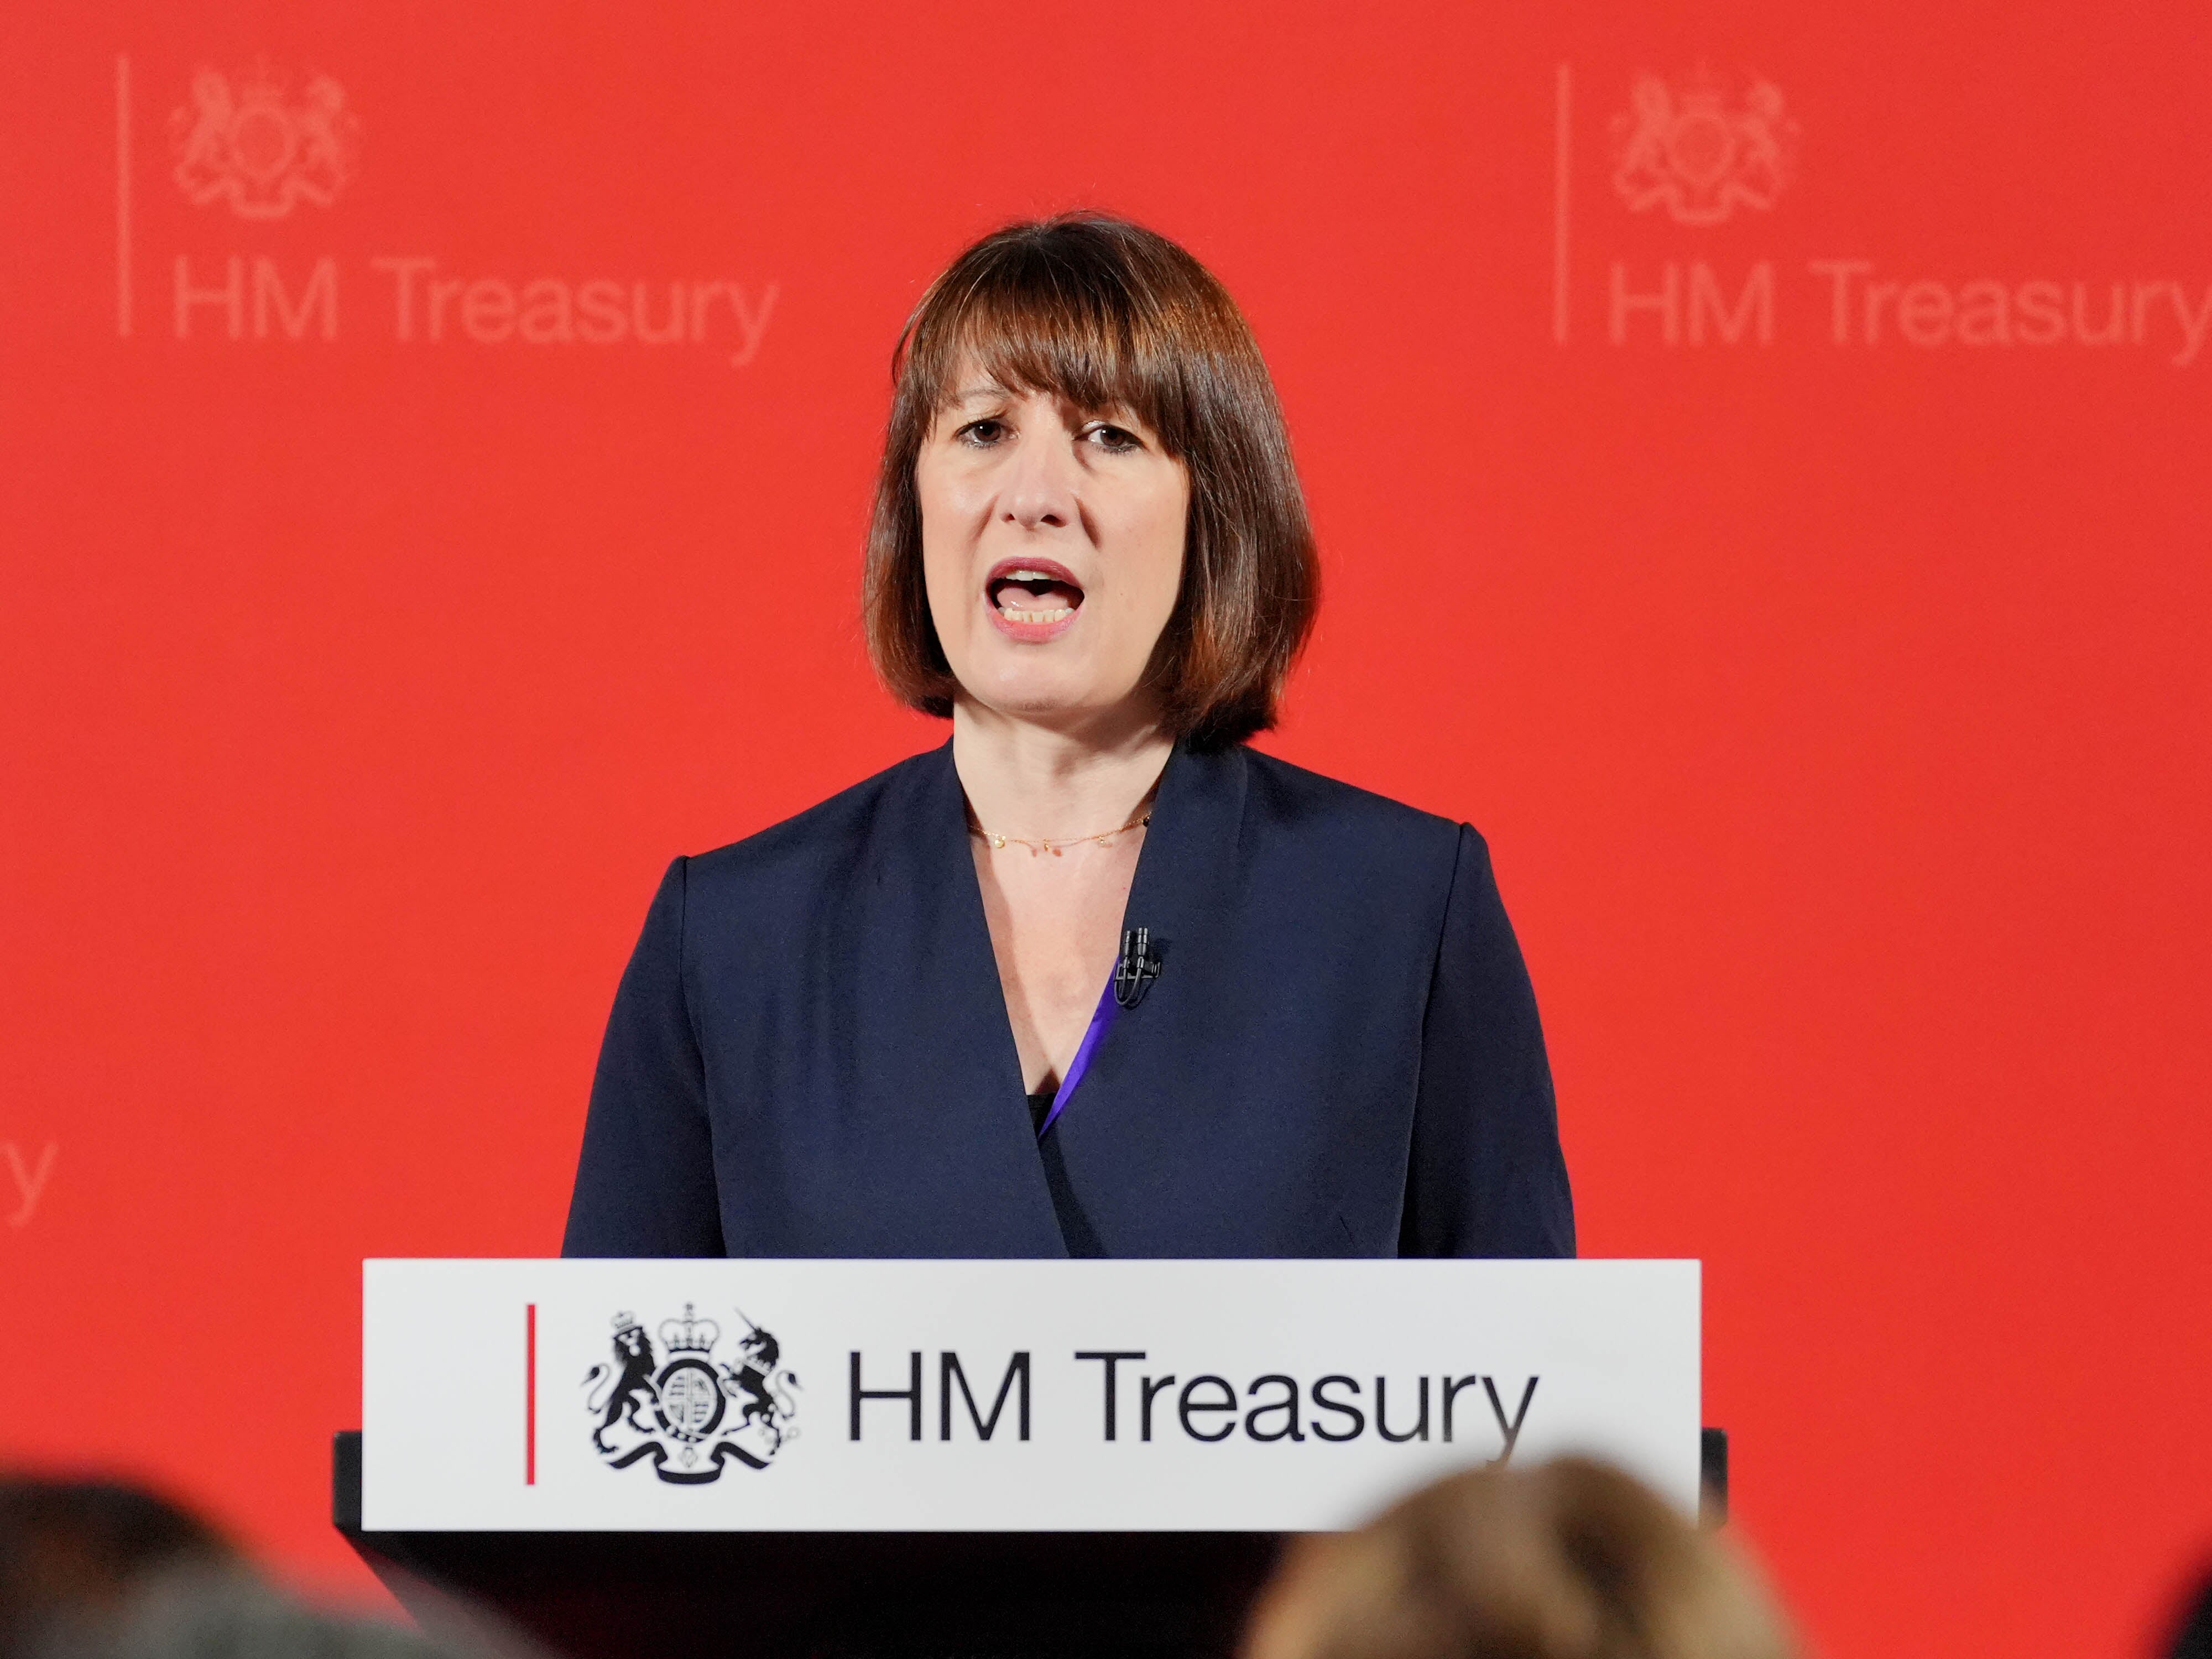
(809, 1054)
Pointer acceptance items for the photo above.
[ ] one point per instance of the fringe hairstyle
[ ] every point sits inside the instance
(1110, 316)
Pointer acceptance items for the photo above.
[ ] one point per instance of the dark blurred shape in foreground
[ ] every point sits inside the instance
(73, 1551)
(2192, 1638)
(1570, 1559)
(94, 1570)
(199, 1616)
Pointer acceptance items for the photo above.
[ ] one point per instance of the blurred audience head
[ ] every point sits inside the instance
(95, 1571)
(199, 1616)
(72, 1552)
(2192, 1636)
(1570, 1559)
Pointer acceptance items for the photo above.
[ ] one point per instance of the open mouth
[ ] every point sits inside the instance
(1032, 593)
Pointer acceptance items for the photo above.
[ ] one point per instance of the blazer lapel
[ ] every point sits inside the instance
(966, 1121)
(1120, 1130)
(1189, 848)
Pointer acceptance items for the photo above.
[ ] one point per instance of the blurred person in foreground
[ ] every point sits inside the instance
(98, 1570)
(1570, 1559)
(189, 1615)
(2192, 1636)
(72, 1552)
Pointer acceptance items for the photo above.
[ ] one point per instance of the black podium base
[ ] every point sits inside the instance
(822, 1595)
(837, 1596)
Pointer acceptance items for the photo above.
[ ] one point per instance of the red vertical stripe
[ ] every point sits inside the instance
(530, 1400)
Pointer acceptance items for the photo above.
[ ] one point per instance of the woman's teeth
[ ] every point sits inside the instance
(1048, 599)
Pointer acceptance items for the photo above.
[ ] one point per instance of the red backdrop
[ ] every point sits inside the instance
(1825, 661)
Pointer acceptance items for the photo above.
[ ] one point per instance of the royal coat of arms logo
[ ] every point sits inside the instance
(1686, 148)
(691, 1413)
(253, 143)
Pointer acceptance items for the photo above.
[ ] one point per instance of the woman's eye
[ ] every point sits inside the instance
(1114, 439)
(983, 432)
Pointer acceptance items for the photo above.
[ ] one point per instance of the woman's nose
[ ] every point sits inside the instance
(1040, 493)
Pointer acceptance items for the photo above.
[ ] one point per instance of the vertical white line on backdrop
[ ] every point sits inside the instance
(122, 195)
(1560, 173)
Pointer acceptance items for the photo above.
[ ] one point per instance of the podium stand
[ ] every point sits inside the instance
(821, 1595)
(925, 1460)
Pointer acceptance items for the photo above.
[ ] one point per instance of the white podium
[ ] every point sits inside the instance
(915, 1457)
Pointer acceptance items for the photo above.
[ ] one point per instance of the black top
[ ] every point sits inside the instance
(809, 1054)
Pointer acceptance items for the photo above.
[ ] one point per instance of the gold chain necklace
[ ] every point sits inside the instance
(1057, 848)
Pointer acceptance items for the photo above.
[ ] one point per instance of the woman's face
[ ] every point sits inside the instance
(1052, 542)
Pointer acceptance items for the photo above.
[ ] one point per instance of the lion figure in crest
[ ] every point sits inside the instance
(622, 1387)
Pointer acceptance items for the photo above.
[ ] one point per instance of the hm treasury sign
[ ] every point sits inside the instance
(743, 1395)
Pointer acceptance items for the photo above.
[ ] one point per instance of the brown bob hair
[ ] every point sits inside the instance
(1108, 316)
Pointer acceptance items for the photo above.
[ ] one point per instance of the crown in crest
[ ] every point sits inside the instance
(689, 1335)
(262, 84)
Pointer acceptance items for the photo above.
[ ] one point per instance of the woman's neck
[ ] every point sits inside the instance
(1058, 782)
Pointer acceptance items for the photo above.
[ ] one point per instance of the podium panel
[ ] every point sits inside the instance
(904, 1458)
(994, 1397)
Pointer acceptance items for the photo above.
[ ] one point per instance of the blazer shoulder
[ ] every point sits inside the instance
(811, 846)
(1346, 813)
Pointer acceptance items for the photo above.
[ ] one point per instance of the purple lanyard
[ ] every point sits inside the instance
(1108, 1010)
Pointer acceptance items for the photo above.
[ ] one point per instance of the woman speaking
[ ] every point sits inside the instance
(1093, 978)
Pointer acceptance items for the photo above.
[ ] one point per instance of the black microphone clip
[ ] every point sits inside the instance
(1139, 967)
